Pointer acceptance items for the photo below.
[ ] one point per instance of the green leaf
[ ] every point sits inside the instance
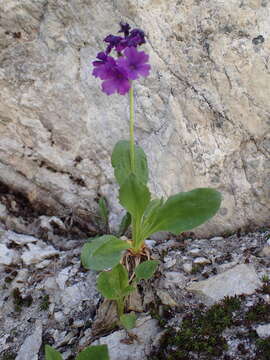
(134, 196)
(114, 284)
(103, 252)
(94, 352)
(125, 222)
(103, 209)
(122, 165)
(51, 354)
(128, 321)
(183, 212)
(146, 270)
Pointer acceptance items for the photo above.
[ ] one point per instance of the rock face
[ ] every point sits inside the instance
(202, 116)
(242, 279)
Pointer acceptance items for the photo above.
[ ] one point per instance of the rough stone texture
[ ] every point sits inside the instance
(263, 330)
(242, 279)
(30, 347)
(202, 116)
(144, 335)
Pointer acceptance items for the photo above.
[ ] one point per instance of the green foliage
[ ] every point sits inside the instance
(182, 212)
(103, 210)
(128, 321)
(52, 354)
(45, 302)
(134, 196)
(263, 349)
(146, 270)
(122, 164)
(103, 252)
(125, 222)
(114, 284)
(95, 352)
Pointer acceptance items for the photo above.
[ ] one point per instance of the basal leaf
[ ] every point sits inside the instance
(128, 321)
(51, 353)
(94, 352)
(122, 165)
(146, 269)
(134, 196)
(183, 212)
(125, 222)
(103, 252)
(114, 284)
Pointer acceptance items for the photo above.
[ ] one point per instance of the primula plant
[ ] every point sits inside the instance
(118, 67)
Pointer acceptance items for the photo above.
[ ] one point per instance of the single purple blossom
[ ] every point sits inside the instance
(117, 81)
(134, 63)
(125, 27)
(103, 68)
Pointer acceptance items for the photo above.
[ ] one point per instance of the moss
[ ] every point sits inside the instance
(45, 303)
(8, 355)
(20, 301)
(263, 349)
(200, 332)
(258, 313)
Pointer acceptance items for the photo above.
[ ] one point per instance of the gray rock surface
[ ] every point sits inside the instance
(242, 279)
(30, 347)
(202, 116)
(143, 337)
(263, 330)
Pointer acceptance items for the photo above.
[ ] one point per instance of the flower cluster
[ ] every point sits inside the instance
(129, 65)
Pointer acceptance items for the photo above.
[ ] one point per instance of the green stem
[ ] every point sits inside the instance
(131, 129)
(120, 307)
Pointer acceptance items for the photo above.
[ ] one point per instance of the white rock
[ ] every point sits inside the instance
(216, 238)
(62, 277)
(30, 347)
(263, 330)
(173, 279)
(7, 256)
(20, 239)
(202, 261)
(36, 253)
(166, 298)
(150, 243)
(73, 296)
(187, 267)
(195, 252)
(146, 333)
(169, 262)
(43, 264)
(226, 266)
(242, 279)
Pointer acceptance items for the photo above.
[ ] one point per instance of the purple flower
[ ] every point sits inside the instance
(136, 37)
(134, 63)
(102, 58)
(113, 41)
(104, 67)
(117, 82)
(125, 27)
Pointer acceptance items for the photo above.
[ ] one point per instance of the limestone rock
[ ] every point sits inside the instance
(263, 330)
(37, 253)
(7, 256)
(30, 347)
(142, 337)
(202, 116)
(242, 279)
